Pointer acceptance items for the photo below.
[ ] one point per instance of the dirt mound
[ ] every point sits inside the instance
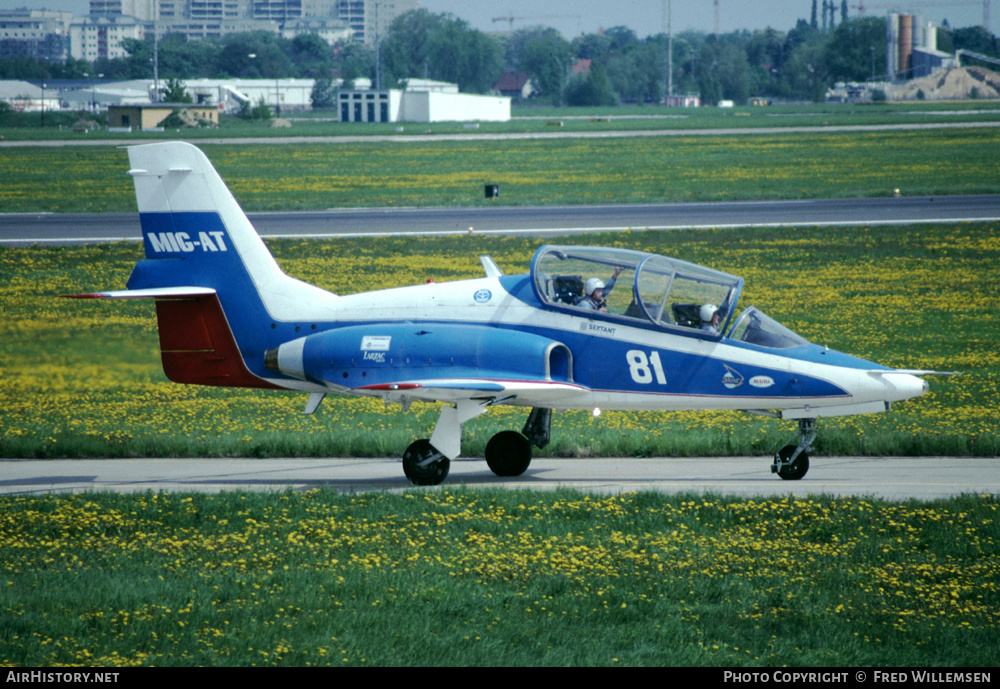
(85, 125)
(182, 118)
(953, 84)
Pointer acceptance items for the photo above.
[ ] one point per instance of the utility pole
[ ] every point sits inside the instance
(378, 53)
(156, 56)
(670, 49)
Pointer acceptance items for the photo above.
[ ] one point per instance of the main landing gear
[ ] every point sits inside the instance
(792, 461)
(424, 465)
(508, 453)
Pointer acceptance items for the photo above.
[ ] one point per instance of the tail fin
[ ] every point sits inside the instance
(188, 214)
(234, 301)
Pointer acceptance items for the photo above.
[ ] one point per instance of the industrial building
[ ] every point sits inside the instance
(151, 115)
(911, 47)
(421, 100)
(225, 95)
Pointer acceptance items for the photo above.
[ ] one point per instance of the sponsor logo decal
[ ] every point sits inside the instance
(597, 328)
(375, 347)
(376, 343)
(732, 378)
(762, 381)
(184, 243)
(482, 296)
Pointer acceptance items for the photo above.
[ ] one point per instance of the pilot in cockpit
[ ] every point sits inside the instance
(709, 314)
(596, 291)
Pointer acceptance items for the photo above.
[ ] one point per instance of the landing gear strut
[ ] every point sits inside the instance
(426, 462)
(538, 428)
(792, 461)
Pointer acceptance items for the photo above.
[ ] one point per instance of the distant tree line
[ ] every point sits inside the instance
(799, 64)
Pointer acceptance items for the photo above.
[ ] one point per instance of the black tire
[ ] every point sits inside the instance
(428, 474)
(795, 470)
(508, 453)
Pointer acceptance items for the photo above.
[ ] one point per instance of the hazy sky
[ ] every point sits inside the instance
(645, 17)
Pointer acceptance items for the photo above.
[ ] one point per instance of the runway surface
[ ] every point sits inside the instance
(20, 229)
(425, 136)
(899, 478)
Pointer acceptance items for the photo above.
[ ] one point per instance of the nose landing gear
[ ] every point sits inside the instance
(792, 461)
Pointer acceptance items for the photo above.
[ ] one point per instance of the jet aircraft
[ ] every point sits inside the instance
(585, 328)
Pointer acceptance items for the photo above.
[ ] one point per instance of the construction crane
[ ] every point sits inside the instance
(898, 6)
(511, 18)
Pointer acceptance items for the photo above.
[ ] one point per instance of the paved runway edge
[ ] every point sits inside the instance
(890, 478)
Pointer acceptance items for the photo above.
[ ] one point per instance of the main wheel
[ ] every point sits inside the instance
(424, 465)
(795, 470)
(508, 453)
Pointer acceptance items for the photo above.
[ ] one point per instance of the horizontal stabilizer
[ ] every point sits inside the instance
(152, 293)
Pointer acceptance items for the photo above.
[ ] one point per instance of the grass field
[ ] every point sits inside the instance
(496, 578)
(83, 378)
(533, 172)
(529, 120)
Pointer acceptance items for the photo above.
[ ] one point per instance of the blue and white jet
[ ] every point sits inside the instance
(586, 328)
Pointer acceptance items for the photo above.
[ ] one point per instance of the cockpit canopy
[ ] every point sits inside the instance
(638, 286)
(648, 289)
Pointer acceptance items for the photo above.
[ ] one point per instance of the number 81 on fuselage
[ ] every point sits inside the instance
(644, 369)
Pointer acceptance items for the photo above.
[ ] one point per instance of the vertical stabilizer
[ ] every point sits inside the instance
(197, 237)
(188, 214)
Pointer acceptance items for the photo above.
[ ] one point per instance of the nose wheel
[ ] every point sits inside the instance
(792, 461)
(789, 464)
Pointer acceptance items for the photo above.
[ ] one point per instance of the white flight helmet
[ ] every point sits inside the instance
(590, 285)
(707, 311)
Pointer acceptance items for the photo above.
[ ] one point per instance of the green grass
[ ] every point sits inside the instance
(532, 172)
(496, 578)
(83, 378)
(58, 126)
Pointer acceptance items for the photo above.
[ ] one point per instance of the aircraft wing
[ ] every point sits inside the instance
(527, 393)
